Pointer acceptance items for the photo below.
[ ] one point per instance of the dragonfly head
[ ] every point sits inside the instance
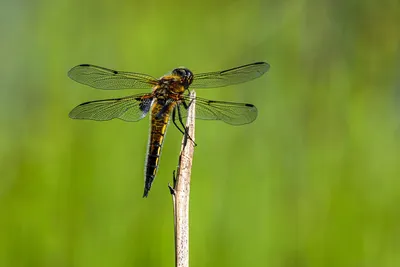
(185, 74)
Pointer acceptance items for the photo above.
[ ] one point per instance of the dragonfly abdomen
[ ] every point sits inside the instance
(159, 126)
(152, 161)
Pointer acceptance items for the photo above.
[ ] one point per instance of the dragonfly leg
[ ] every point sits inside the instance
(174, 121)
(186, 105)
(171, 188)
(183, 125)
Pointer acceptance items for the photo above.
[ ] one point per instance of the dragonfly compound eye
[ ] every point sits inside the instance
(188, 76)
(184, 73)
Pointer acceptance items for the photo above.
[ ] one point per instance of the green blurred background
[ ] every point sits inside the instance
(314, 181)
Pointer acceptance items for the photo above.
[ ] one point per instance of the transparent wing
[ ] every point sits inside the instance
(229, 112)
(102, 78)
(130, 108)
(228, 77)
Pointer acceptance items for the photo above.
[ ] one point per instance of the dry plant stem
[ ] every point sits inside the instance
(181, 190)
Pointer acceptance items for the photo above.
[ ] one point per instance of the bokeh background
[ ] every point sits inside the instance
(314, 181)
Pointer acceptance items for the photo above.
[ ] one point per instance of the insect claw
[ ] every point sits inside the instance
(171, 189)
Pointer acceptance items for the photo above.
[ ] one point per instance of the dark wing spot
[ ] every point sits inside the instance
(143, 105)
(84, 65)
(115, 72)
(249, 105)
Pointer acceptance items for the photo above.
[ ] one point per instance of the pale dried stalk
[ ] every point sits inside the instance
(181, 190)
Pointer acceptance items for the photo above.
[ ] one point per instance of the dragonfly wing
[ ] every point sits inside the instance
(130, 108)
(228, 112)
(103, 78)
(236, 75)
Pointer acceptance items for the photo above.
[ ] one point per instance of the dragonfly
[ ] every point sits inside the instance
(168, 100)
